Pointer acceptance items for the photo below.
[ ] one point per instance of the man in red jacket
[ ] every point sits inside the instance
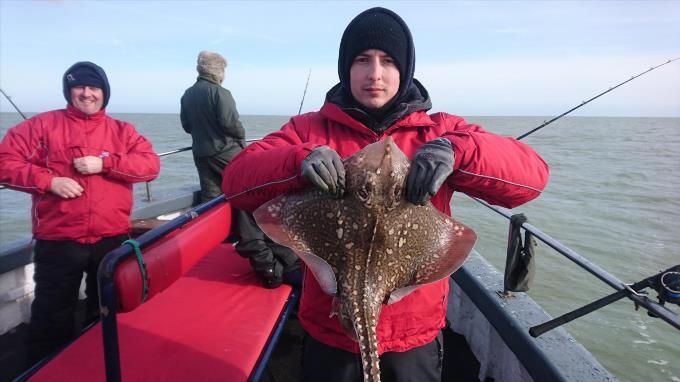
(378, 97)
(78, 164)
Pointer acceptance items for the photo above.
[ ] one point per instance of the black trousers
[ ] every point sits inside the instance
(321, 362)
(273, 263)
(58, 271)
(210, 174)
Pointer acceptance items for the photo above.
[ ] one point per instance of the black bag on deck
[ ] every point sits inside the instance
(519, 263)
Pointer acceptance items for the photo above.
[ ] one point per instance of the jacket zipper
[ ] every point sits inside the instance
(87, 195)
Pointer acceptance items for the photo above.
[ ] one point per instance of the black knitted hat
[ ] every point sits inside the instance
(378, 28)
(85, 73)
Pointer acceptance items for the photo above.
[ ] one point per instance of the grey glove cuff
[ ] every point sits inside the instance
(443, 142)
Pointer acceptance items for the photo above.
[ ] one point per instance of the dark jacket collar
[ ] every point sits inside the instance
(209, 78)
(415, 98)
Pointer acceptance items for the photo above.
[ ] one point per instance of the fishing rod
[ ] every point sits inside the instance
(305, 92)
(665, 283)
(10, 101)
(189, 148)
(546, 123)
(17, 109)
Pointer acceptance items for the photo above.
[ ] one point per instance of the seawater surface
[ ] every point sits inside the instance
(613, 197)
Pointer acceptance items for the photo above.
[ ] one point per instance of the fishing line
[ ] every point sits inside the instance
(546, 123)
(302, 101)
(257, 139)
(10, 101)
(271, 183)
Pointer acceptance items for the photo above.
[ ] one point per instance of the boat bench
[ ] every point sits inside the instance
(206, 317)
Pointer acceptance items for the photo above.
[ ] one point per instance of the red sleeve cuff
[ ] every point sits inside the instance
(45, 183)
(106, 164)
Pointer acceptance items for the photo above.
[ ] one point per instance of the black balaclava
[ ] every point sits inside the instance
(86, 73)
(378, 28)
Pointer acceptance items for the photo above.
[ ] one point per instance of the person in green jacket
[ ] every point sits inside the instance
(208, 113)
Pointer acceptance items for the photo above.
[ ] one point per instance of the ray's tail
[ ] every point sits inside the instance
(365, 327)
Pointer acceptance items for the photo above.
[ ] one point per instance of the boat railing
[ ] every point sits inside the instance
(171, 152)
(161, 155)
(622, 289)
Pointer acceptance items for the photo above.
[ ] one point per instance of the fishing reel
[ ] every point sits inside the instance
(669, 290)
(667, 285)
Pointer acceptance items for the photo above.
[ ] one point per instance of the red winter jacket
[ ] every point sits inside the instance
(43, 147)
(500, 170)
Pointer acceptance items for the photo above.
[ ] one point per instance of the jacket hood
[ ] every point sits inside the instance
(66, 79)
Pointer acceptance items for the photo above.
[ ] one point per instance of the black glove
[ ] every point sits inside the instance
(270, 275)
(431, 165)
(324, 169)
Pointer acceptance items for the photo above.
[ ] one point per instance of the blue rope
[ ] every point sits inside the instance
(142, 267)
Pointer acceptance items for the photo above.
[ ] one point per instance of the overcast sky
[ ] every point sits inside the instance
(475, 58)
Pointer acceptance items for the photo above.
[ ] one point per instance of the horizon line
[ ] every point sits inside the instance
(33, 113)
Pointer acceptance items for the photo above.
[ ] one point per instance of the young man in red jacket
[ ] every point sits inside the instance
(78, 164)
(378, 97)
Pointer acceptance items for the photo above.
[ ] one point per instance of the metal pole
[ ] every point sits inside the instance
(658, 310)
(148, 192)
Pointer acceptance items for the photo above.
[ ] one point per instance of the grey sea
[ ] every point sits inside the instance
(613, 197)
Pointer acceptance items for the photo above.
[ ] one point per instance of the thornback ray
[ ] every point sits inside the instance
(370, 247)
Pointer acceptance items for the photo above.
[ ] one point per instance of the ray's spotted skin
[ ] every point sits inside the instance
(372, 247)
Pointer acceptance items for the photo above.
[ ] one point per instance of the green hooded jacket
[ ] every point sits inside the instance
(209, 114)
